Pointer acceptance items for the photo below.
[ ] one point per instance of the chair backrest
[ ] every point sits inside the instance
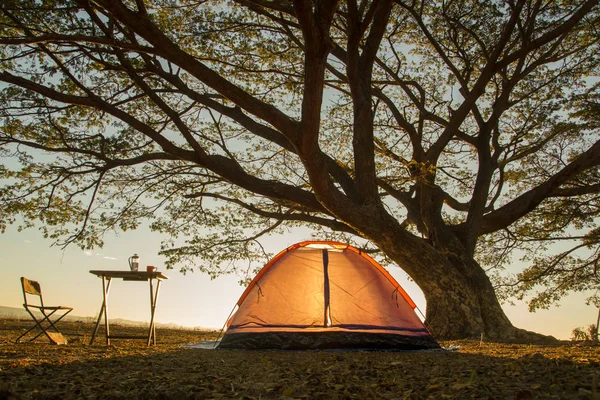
(32, 288)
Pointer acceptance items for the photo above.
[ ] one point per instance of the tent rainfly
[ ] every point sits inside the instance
(325, 295)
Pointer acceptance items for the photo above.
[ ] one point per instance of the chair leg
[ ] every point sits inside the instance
(37, 324)
(44, 331)
(52, 323)
(55, 337)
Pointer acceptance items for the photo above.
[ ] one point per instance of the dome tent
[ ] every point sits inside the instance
(325, 295)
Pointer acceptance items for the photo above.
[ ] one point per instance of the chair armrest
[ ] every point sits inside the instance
(47, 307)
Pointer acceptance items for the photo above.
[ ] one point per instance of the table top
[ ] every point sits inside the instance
(130, 275)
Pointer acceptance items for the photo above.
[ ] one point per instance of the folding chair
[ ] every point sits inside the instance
(33, 288)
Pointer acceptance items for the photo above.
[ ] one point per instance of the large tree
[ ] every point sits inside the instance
(447, 135)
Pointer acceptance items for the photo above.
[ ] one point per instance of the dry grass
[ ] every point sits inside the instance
(169, 370)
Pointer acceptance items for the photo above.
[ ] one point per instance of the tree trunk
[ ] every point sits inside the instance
(461, 301)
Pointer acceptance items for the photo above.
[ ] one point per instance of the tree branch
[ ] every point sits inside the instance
(528, 201)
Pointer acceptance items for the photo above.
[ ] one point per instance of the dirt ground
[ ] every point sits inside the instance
(170, 370)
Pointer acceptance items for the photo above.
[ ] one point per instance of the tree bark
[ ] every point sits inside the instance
(461, 301)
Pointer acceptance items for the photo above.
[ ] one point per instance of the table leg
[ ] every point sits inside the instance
(103, 311)
(106, 311)
(153, 300)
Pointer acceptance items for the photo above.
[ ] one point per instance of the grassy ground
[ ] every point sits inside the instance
(129, 369)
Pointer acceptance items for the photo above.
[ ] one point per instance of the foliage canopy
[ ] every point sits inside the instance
(222, 122)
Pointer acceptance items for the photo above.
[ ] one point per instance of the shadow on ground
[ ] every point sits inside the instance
(129, 369)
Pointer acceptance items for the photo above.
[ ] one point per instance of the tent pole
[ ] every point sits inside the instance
(326, 292)
(224, 325)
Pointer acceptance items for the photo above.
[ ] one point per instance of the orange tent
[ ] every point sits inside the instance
(325, 295)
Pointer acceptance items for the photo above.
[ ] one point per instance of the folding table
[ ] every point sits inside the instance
(130, 276)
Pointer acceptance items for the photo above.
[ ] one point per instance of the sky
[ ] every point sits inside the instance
(191, 300)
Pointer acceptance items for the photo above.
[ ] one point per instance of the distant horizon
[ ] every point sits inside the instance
(195, 299)
(7, 312)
